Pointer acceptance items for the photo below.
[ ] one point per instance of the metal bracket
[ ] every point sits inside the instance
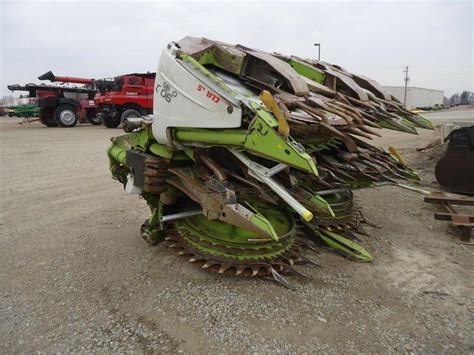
(264, 175)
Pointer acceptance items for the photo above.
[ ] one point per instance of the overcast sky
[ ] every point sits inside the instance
(376, 39)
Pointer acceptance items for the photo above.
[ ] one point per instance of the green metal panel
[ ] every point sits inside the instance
(263, 140)
(162, 150)
(345, 246)
(307, 71)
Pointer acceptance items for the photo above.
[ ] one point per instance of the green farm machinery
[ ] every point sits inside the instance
(250, 157)
(25, 111)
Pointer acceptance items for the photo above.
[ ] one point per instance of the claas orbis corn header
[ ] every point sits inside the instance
(250, 157)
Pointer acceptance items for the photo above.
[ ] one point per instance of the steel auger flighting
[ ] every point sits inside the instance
(249, 158)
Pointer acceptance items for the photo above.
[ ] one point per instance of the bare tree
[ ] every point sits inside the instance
(465, 95)
(7, 100)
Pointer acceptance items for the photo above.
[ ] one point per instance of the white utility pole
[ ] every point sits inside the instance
(406, 85)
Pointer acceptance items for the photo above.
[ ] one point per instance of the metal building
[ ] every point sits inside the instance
(417, 97)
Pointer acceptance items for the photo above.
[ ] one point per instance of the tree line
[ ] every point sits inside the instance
(463, 98)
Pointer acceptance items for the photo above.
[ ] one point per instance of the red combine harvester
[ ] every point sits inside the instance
(63, 106)
(125, 96)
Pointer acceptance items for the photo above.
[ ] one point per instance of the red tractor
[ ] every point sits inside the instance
(63, 106)
(125, 96)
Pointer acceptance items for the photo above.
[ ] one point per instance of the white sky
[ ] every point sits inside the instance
(376, 39)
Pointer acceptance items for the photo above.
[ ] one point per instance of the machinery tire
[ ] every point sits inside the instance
(47, 118)
(93, 118)
(111, 121)
(66, 116)
(129, 113)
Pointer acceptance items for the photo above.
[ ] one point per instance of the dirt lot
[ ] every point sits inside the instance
(76, 275)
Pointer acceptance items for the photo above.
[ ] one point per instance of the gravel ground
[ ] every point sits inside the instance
(76, 276)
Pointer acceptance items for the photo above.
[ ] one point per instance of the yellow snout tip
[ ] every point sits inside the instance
(397, 155)
(307, 216)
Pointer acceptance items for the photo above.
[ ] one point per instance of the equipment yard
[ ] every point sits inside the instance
(77, 276)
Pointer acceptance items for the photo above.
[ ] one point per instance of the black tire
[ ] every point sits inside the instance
(93, 118)
(47, 117)
(110, 121)
(66, 116)
(129, 114)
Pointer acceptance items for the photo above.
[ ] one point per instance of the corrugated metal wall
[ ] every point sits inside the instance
(417, 97)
